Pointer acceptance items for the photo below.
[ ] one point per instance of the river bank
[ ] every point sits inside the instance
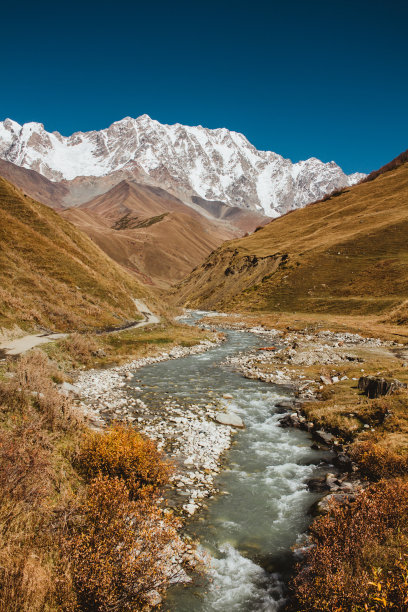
(191, 436)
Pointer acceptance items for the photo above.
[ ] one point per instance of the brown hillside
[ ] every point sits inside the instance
(34, 185)
(348, 254)
(52, 275)
(149, 231)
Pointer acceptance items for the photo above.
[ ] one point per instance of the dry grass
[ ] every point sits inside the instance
(53, 275)
(37, 430)
(66, 544)
(108, 349)
(347, 255)
(123, 453)
(120, 550)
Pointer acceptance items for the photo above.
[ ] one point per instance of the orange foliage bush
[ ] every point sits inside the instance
(347, 544)
(376, 462)
(120, 550)
(122, 452)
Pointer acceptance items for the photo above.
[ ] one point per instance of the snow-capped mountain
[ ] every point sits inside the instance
(188, 161)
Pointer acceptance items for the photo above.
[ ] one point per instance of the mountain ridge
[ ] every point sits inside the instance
(188, 161)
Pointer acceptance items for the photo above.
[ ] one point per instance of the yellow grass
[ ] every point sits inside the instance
(347, 255)
(52, 275)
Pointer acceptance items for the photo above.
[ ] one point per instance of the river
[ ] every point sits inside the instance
(262, 509)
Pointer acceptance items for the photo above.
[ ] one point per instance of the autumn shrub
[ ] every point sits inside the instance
(26, 581)
(376, 461)
(389, 590)
(80, 347)
(120, 549)
(122, 452)
(34, 379)
(349, 545)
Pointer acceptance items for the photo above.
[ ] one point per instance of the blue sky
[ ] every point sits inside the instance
(325, 79)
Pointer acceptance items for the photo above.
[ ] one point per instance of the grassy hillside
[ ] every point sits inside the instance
(34, 184)
(348, 254)
(52, 275)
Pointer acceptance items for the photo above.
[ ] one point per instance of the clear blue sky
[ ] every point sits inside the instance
(322, 78)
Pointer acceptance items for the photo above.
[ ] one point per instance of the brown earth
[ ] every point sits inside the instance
(34, 184)
(150, 232)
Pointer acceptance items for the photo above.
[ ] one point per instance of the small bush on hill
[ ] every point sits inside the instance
(120, 549)
(376, 462)
(122, 452)
(350, 546)
(80, 347)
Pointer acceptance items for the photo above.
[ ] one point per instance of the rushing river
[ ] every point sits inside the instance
(250, 527)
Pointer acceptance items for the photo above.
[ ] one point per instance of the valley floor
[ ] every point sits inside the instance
(325, 360)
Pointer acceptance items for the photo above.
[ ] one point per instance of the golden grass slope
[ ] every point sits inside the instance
(52, 275)
(348, 254)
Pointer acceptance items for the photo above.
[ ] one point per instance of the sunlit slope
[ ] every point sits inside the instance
(52, 275)
(348, 254)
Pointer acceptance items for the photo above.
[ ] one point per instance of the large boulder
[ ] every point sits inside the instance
(374, 386)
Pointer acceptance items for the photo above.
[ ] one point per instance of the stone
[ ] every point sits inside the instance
(318, 485)
(289, 420)
(374, 386)
(153, 598)
(326, 380)
(285, 404)
(227, 396)
(342, 462)
(66, 388)
(324, 436)
(230, 419)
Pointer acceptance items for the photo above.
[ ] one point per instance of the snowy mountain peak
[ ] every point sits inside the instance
(214, 164)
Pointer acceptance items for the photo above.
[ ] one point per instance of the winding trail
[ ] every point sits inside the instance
(24, 344)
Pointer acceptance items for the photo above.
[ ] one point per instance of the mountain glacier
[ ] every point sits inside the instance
(213, 164)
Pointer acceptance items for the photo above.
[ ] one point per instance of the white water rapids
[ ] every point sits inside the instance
(262, 509)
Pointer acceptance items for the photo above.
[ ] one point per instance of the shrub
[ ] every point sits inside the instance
(33, 378)
(346, 546)
(25, 483)
(80, 347)
(376, 462)
(120, 550)
(122, 452)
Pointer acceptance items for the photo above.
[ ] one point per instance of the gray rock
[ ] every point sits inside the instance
(373, 386)
(230, 419)
(324, 436)
(153, 598)
(68, 388)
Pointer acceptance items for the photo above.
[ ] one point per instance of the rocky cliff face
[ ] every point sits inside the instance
(188, 161)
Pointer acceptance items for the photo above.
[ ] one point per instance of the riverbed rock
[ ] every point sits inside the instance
(153, 598)
(318, 485)
(290, 420)
(289, 405)
(324, 436)
(67, 388)
(374, 386)
(231, 419)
